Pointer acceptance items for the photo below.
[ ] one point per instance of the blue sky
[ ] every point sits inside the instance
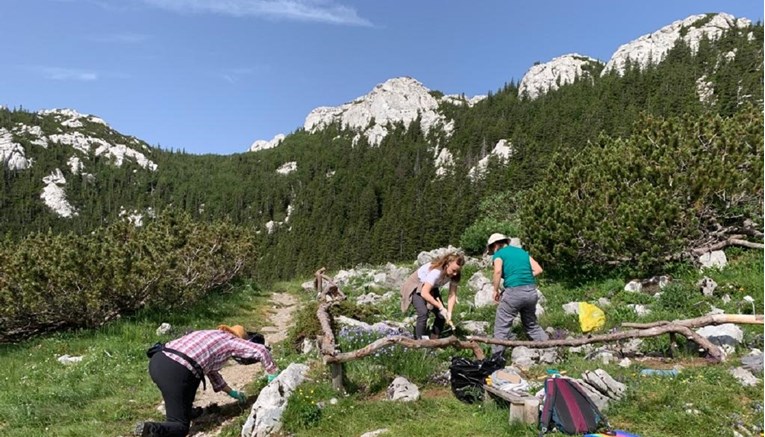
(212, 76)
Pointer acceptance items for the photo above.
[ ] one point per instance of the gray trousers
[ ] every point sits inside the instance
(515, 300)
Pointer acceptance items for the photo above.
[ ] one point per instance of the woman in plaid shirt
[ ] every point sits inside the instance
(176, 371)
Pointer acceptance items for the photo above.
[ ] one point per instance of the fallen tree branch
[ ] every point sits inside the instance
(327, 343)
(711, 349)
(406, 342)
(714, 319)
(734, 240)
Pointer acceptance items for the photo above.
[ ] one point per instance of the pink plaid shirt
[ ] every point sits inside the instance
(212, 348)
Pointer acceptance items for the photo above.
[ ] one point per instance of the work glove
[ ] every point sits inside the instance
(445, 313)
(272, 376)
(240, 396)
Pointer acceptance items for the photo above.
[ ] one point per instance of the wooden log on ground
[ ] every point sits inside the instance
(327, 344)
(712, 319)
(406, 342)
(713, 351)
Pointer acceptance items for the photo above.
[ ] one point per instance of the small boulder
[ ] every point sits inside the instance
(308, 286)
(722, 335)
(67, 359)
(375, 433)
(744, 376)
(474, 327)
(164, 329)
(634, 286)
(571, 308)
(707, 286)
(715, 259)
(403, 390)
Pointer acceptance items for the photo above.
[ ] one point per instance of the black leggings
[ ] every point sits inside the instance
(421, 307)
(178, 386)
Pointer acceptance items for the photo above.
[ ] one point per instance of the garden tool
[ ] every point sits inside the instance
(451, 324)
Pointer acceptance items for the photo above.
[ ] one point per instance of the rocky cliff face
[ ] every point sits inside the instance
(653, 48)
(562, 70)
(85, 137)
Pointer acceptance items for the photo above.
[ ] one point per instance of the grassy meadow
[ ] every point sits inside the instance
(110, 389)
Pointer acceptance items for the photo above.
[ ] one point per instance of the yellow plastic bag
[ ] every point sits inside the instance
(591, 318)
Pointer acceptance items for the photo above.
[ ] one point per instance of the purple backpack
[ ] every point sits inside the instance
(568, 409)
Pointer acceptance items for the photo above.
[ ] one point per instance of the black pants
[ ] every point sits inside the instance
(421, 307)
(178, 386)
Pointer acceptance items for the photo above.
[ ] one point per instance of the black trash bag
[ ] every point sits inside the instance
(468, 377)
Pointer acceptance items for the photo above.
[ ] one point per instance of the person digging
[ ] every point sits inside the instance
(179, 367)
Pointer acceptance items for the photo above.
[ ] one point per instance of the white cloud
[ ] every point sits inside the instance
(233, 75)
(325, 11)
(59, 73)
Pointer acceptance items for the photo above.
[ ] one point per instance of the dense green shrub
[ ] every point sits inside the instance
(677, 183)
(496, 214)
(67, 280)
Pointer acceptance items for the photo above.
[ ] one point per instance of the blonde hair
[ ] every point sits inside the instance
(442, 261)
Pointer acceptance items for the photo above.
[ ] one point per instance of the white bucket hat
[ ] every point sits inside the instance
(493, 239)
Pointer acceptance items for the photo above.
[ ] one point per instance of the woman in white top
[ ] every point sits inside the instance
(421, 289)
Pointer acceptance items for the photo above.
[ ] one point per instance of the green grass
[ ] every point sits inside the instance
(110, 389)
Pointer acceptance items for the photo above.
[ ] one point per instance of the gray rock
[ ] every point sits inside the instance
(715, 259)
(375, 433)
(603, 302)
(707, 286)
(640, 310)
(426, 257)
(484, 290)
(402, 390)
(744, 376)
(753, 362)
(395, 276)
(308, 346)
(571, 308)
(631, 346)
(541, 299)
(164, 329)
(266, 413)
(308, 286)
(726, 299)
(67, 359)
(625, 362)
(523, 357)
(721, 335)
(604, 383)
(474, 327)
(634, 286)
(369, 299)
(599, 399)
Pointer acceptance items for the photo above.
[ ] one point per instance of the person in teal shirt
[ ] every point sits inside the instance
(515, 273)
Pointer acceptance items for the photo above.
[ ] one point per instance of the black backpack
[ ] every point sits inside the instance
(568, 409)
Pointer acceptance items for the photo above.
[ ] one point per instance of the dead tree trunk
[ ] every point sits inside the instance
(682, 327)
(406, 342)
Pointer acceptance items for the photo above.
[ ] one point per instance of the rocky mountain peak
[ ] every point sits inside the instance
(652, 48)
(562, 70)
(401, 99)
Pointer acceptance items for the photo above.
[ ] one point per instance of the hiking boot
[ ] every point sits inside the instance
(141, 429)
(196, 412)
(144, 429)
